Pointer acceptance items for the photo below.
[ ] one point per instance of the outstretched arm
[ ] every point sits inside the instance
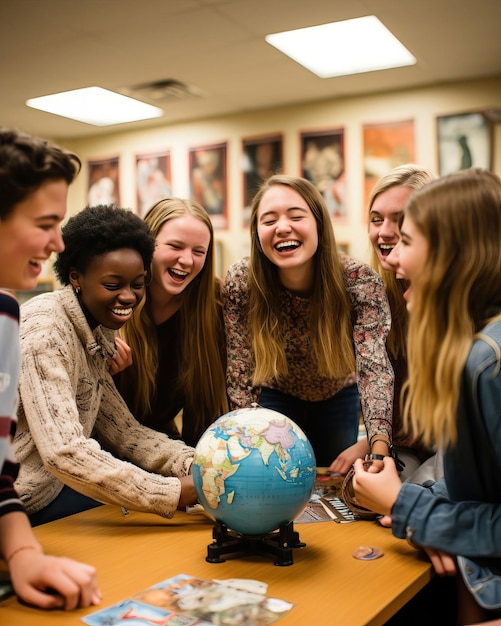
(371, 325)
(240, 359)
(48, 582)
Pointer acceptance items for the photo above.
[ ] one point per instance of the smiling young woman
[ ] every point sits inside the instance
(306, 326)
(34, 179)
(387, 202)
(177, 336)
(69, 405)
(450, 254)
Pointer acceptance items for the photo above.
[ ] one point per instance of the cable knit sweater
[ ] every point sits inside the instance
(74, 427)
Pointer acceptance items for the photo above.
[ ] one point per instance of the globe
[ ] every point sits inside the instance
(254, 470)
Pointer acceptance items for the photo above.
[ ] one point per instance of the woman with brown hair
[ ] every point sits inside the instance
(306, 326)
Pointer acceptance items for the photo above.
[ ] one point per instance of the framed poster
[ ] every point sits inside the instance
(463, 140)
(153, 180)
(208, 185)
(261, 158)
(385, 146)
(103, 185)
(322, 163)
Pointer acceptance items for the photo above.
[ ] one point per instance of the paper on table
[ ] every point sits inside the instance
(186, 600)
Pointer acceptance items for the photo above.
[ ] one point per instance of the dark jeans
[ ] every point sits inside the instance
(331, 425)
(68, 502)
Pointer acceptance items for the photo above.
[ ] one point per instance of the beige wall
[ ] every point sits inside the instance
(422, 105)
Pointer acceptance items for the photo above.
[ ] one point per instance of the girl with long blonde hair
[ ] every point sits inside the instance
(305, 326)
(387, 201)
(450, 254)
(176, 335)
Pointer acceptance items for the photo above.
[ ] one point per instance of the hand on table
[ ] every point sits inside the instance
(72, 584)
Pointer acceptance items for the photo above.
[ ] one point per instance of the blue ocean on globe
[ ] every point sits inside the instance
(254, 470)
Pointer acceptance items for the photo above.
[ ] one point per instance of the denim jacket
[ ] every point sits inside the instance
(461, 513)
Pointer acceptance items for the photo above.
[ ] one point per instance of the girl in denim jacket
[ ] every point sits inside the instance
(450, 252)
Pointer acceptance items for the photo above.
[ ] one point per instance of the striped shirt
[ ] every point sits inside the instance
(9, 375)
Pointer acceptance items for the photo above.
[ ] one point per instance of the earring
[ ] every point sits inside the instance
(77, 291)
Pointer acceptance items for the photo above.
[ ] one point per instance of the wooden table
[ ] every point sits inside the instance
(325, 583)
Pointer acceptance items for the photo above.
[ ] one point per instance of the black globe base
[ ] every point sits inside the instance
(279, 544)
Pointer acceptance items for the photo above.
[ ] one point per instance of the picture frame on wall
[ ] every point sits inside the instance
(208, 181)
(385, 146)
(464, 140)
(261, 158)
(103, 182)
(153, 179)
(323, 164)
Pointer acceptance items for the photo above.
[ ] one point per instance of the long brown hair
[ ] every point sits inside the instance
(202, 371)
(330, 313)
(459, 289)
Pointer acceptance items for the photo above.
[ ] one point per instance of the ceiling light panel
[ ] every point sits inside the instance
(96, 106)
(353, 46)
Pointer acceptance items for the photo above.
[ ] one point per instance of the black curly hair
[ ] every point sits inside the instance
(26, 163)
(97, 230)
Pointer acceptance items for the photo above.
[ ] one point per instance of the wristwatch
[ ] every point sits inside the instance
(380, 457)
(374, 457)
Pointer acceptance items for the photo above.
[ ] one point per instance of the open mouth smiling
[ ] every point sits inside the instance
(287, 246)
(122, 312)
(179, 274)
(386, 248)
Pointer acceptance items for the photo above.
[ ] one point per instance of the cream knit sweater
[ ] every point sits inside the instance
(73, 426)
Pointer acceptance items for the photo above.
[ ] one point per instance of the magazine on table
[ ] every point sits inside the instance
(326, 504)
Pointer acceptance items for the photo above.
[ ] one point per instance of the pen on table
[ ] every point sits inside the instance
(125, 511)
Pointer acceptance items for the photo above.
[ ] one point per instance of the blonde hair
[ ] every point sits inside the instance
(459, 290)
(330, 314)
(414, 177)
(202, 370)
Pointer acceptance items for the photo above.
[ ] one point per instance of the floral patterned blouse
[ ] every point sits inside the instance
(371, 319)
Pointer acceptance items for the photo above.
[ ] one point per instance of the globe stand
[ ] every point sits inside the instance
(279, 544)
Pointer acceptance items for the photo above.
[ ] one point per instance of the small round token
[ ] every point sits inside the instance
(367, 553)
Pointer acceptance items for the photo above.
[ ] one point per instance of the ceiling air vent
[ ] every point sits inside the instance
(164, 90)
